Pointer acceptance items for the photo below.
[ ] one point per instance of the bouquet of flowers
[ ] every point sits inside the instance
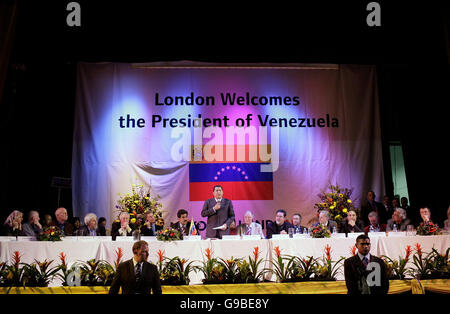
(320, 231)
(168, 234)
(337, 201)
(428, 228)
(328, 269)
(51, 233)
(139, 202)
(397, 269)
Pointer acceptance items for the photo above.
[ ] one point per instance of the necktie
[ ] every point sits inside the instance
(249, 231)
(138, 272)
(365, 261)
(183, 229)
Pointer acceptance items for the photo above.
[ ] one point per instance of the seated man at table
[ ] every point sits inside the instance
(399, 220)
(324, 219)
(280, 226)
(183, 224)
(150, 227)
(296, 223)
(350, 224)
(137, 276)
(358, 267)
(425, 215)
(90, 227)
(61, 221)
(374, 225)
(249, 227)
(122, 227)
(32, 228)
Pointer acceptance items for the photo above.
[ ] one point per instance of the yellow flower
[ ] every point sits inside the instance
(133, 220)
(334, 204)
(332, 207)
(341, 195)
(117, 220)
(337, 217)
(136, 202)
(345, 210)
(53, 233)
(349, 201)
(147, 197)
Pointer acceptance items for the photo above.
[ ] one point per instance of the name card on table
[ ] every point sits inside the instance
(354, 235)
(7, 238)
(251, 237)
(397, 234)
(280, 236)
(69, 238)
(301, 236)
(124, 239)
(86, 239)
(231, 237)
(338, 235)
(192, 238)
(149, 238)
(376, 234)
(26, 238)
(104, 238)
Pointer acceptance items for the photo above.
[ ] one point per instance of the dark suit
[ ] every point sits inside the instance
(355, 273)
(66, 228)
(273, 228)
(177, 226)
(125, 277)
(224, 215)
(85, 232)
(345, 227)
(149, 232)
(373, 207)
(115, 230)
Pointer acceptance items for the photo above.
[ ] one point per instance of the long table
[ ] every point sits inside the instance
(83, 250)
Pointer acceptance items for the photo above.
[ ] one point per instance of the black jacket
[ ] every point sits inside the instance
(126, 279)
(273, 228)
(355, 273)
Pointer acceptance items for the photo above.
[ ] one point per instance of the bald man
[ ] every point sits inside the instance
(61, 221)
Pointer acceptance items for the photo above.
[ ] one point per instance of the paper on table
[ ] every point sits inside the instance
(216, 228)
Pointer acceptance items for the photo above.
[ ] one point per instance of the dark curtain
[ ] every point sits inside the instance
(8, 17)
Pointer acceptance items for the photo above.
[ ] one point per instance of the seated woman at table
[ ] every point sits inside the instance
(122, 227)
(350, 224)
(249, 227)
(399, 219)
(13, 224)
(447, 221)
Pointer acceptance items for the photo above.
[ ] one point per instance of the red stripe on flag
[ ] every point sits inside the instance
(253, 190)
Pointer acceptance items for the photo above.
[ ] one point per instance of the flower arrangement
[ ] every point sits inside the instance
(139, 202)
(252, 275)
(428, 228)
(337, 201)
(320, 231)
(168, 234)
(51, 233)
(96, 273)
(212, 270)
(66, 273)
(397, 269)
(280, 267)
(175, 271)
(328, 270)
(38, 274)
(430, 265)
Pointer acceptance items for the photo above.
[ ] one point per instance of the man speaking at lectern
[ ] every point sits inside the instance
(220, 214)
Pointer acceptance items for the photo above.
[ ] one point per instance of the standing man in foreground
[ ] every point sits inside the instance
(137, 276)
(358, 268)
(220, 214)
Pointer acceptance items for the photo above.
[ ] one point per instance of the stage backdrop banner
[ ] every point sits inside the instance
(282, 133)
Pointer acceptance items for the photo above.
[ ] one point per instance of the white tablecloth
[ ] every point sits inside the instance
(194, 250)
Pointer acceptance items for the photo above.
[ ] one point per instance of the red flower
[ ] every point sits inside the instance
(256, 252)
(62, 257)
(408, 252)
(208, 253)
(277, 251)
(119, 255)
(16, 258)
(172, 234)
(161, 255)
(328, 252)
(353, 250)
(419, 250)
